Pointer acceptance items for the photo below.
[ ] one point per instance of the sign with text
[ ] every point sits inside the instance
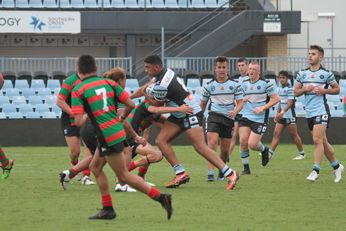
(272, 23)
(39, 22)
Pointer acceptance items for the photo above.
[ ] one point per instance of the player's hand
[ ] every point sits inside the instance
(258, 110)
(231, 114)
(279, 116)
(186, 109)
(309, 88)
(319, 91)
(141, 140)
(85, 117)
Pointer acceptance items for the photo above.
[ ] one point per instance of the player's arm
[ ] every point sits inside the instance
(139, 92)
(1, 80)
(333, 90)
(161, 110)
(64, 93)
(63, 105)
(203, 104)
(274, 99)
(238, 106)
(299, 89)
(77, 109)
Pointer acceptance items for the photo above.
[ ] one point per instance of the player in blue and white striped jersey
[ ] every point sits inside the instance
(259, 96)
(314, 83)
(226, 100)
(286, 116)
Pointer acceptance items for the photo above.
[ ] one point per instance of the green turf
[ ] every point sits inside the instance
(274, 198)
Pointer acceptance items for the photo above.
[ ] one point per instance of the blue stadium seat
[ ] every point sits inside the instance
(56, 91)
(50, 99)
(118, 4)
(25, 108)
(8, 108)
(91, 4)
(132, 83)
(77, 4)
(342, 83)
(196, 90)
(53, 83)
(193, 83)
(197, 4)
(8, 3)
(63, 4)
(33, 115)
(37, 83)
(333, 98)
(205, 81)
(41, 108)
(21, 83)
(224, 4)
(10, 92)
(18, 100)
(27, 92)
(211, 4)
(2, 115)
(4, 99)
(49, 115)
(157, 4)
(171, 4)
(15, 115)
(36, 4)
(142, 4)
(50, 4)
(22, 4)
(36, 99)
(7, 84)
(104, 3)
(337, 113)
(56, 109)
(43, 92)
(131, 4)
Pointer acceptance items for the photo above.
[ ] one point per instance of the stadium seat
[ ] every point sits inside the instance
(343, 75)
(49, 115)
(77, 4)
(211, 4)
(33, 115)
(50, 4)
(37, 83)
(7, 84)
(223, 3)
(104, 3)
(34, 100)
(196, 90)
(22, 4)
(91, 4)
(183, 3)
(15, 115)
(53, 83)
(269, 75)
(18, 100)
(193, 83)
(25, 75)
(8, 3)
(41, 108)
(337, 113)
(129, 3)
(36, 4)
(59, 75)
(333, 98)
(235, 74)
(41, 75)
(207, 76)
(55, 109)
(27, 92)
(157, 4)
(205, 81)
(141, 4)
(21, 83)
(8, 108)
(273, 81)
(50, 99)
(197, 4)
(11, 92)
(4, 100)
(2, 115)
(64, 4)
(171, 4)
(342, 83)
(132, 84)
(25, 108)
(9, 75)
(44, 92)
(337, 75)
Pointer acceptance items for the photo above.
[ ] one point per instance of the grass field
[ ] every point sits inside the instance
(277, 197)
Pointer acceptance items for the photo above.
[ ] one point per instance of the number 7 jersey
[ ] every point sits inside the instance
(98, 97)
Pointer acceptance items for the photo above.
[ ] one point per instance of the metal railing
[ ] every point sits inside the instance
(65, 64)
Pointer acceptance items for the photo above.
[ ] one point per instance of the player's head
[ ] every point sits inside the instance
(86, 65)
(221, 67)
(254, 70)
(117, 74)
(283, 78)
(316, 54)
(153, 65)
(242, 65)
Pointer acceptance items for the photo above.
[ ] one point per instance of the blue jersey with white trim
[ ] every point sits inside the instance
(257, 94)
(222, 95)
(285, 94)
(315, 104)
(240, 80)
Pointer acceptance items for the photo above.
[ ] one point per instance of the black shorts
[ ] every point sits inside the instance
(89, 137)
(114, 149)
(67, 129)
(220, 124)
(190, 121)
(237, 117)
(320, 119)
(258, 128)
(287, 121)
(132, 143)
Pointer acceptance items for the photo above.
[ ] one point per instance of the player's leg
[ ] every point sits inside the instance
(73, 144)
(117, 163)
(256, 144)
(224, 153)
(213, 140)
(6, 164)
(149, 155)
(293, 131)
(196, 137)
(234, 137)
(244, 134)
(279, 128)
(330, 155)
(87, 156)
(318, 132)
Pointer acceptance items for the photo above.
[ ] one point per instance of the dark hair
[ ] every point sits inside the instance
(284, 73)
(317, 47)
(242, 59)
(115, 74)
(86, 64)
(220, 59)
(153, 59)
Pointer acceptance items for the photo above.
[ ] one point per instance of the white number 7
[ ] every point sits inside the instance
(103, 92)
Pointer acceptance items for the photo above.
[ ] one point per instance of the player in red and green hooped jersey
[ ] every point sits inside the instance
(97, 97)
(5, 163)
(70, 130)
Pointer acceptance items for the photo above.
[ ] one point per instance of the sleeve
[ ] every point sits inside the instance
(77, 103)
(290, 93)
(270, 88)
(120, 93)
(66, 89)
(205, 93)
(238, 92)
(298, 77)
(331, 78)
